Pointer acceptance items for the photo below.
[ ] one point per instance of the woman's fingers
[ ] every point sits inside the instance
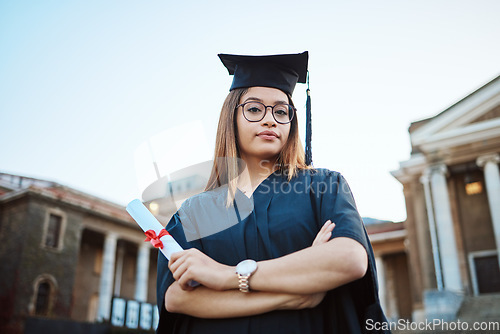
(179, 266)
(327, 227)
(180, 270)
(329, 230)
(326, 224)
(184, 281)
(324, 234)
(176, 259)
(192, 264)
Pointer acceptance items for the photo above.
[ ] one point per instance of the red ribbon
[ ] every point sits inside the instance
(155, 239)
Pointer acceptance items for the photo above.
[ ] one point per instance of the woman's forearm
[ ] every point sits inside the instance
(323, 266)
(203, 302)
(311, 270)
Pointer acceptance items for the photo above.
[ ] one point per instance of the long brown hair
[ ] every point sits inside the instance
(226, 169)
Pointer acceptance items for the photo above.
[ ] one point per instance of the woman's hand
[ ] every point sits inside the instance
(193, 265)
(324, 234)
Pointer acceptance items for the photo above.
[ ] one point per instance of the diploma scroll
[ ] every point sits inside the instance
(155, 232)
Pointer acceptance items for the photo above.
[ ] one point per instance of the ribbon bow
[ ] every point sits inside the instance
(155, 239)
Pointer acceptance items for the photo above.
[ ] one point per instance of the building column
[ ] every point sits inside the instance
(425, 180)
(379, 262)
(445, 231)
(141, 278)
(107, 273)
(492, 178)
(391, 304)
(120, 256)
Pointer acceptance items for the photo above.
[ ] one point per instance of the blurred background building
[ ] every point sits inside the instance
(66, 255)
(452, 189)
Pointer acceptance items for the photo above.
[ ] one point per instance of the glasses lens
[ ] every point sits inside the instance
(254, 111)
(283, 113)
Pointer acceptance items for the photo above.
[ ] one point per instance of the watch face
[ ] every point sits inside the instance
(246, 267)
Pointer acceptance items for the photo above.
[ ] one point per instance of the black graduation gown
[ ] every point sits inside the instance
(285, 218)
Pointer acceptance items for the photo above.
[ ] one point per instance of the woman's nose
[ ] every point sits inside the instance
(269, 118)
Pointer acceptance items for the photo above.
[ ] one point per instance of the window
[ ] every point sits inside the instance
(42, 299)
(485, 273)
(53, 231)
(44, 292)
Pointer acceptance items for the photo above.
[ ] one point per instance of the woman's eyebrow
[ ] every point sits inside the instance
(281, 102)
(251, 98)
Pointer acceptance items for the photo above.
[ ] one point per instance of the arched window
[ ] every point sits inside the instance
(42, 299)
(44, 292)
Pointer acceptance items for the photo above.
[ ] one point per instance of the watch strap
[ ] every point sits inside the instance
(243, 283)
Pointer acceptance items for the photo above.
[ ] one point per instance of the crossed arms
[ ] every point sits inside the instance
(295, 281)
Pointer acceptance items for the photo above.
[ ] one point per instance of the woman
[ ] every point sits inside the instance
(284, 267)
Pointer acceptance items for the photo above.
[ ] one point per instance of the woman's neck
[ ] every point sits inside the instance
(256, 170)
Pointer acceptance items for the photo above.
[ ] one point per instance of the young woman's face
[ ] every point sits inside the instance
(263, 139)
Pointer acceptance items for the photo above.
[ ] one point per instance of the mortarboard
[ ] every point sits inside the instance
(281, 71)
(277, 71)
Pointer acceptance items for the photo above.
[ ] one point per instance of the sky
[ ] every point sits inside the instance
(85, 84)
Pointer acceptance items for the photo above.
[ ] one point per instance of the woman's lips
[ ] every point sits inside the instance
(267, 135)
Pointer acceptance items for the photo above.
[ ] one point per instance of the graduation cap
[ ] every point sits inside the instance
(281, 71)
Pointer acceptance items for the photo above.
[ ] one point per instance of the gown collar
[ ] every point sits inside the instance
(261, 198)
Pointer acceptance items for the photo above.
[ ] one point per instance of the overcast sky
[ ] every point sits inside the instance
(83, 84)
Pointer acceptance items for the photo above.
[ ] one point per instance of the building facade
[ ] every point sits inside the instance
(68, 255)
(452, 190)
(388, 242)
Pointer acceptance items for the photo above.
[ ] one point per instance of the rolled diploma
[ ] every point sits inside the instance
(147, 221)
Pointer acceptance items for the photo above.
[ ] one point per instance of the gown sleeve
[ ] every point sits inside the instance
(164, 277)
(337, 204)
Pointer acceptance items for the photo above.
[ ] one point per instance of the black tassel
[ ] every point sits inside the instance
(308, 125)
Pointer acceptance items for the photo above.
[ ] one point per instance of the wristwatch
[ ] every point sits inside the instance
(244, 270)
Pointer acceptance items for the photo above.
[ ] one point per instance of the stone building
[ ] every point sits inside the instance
(68, 255)
(388, 242)
(452, 190)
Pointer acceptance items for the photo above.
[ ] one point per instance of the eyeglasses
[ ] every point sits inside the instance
(256, 111)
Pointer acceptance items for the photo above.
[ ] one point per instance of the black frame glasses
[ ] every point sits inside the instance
(291, 111)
